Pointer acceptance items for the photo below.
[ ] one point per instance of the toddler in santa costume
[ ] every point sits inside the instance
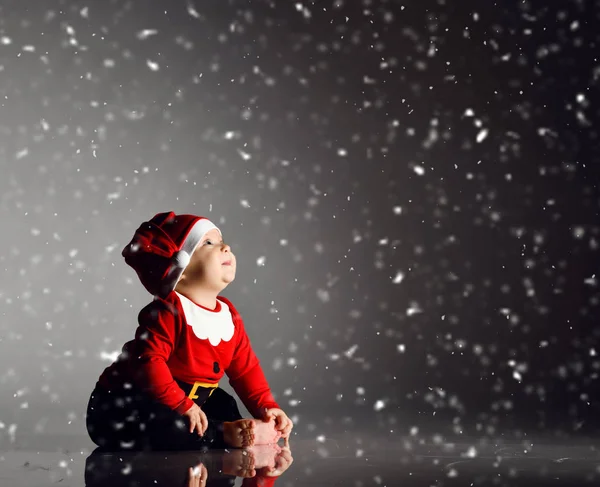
(162, 392)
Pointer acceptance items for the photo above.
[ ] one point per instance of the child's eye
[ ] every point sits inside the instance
(208, 242)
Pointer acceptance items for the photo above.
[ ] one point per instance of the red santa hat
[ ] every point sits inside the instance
(162, 247)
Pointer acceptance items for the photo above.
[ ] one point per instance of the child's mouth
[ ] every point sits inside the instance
(228, 262)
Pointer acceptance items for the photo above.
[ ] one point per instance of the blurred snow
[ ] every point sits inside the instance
(338, 144)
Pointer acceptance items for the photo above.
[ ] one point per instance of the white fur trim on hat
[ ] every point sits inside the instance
(200, 228)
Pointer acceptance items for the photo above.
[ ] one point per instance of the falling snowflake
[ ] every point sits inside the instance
(471, 452)
(483, 133)
(323, 295)
(413, 310)
(152, 65)
(398, 278)
(379, 405)
(144, 34)
(192, 11)
(22, 153)
(244, 155)
(109, 356)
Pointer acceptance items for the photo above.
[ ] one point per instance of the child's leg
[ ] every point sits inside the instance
(221, 406)
(113, 421)
(170, 431)
(130, 420)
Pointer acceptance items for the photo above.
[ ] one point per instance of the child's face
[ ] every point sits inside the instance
(212, 265)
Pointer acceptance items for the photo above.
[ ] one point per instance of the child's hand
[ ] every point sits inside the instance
(197, 476)
(197, 419)
(282, 422)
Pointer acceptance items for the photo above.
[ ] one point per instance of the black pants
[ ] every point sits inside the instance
(128, 419)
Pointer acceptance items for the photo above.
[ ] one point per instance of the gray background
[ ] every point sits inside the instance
(410, 188)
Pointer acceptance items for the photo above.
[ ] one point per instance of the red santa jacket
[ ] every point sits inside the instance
(178, 339)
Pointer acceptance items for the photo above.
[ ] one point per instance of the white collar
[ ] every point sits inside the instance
(213, 326)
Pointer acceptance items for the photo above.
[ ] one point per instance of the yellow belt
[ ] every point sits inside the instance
(192, 395)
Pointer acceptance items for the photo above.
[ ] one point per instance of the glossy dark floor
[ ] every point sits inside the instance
(337, 460)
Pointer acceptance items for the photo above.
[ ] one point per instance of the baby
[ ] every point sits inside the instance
(162, 392)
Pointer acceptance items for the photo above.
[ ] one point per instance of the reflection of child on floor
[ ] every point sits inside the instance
(258, 466)
(162, 392)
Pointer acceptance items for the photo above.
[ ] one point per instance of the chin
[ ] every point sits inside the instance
(226, 283)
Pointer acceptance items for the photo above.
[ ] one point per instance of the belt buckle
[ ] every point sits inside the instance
(192, 395)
